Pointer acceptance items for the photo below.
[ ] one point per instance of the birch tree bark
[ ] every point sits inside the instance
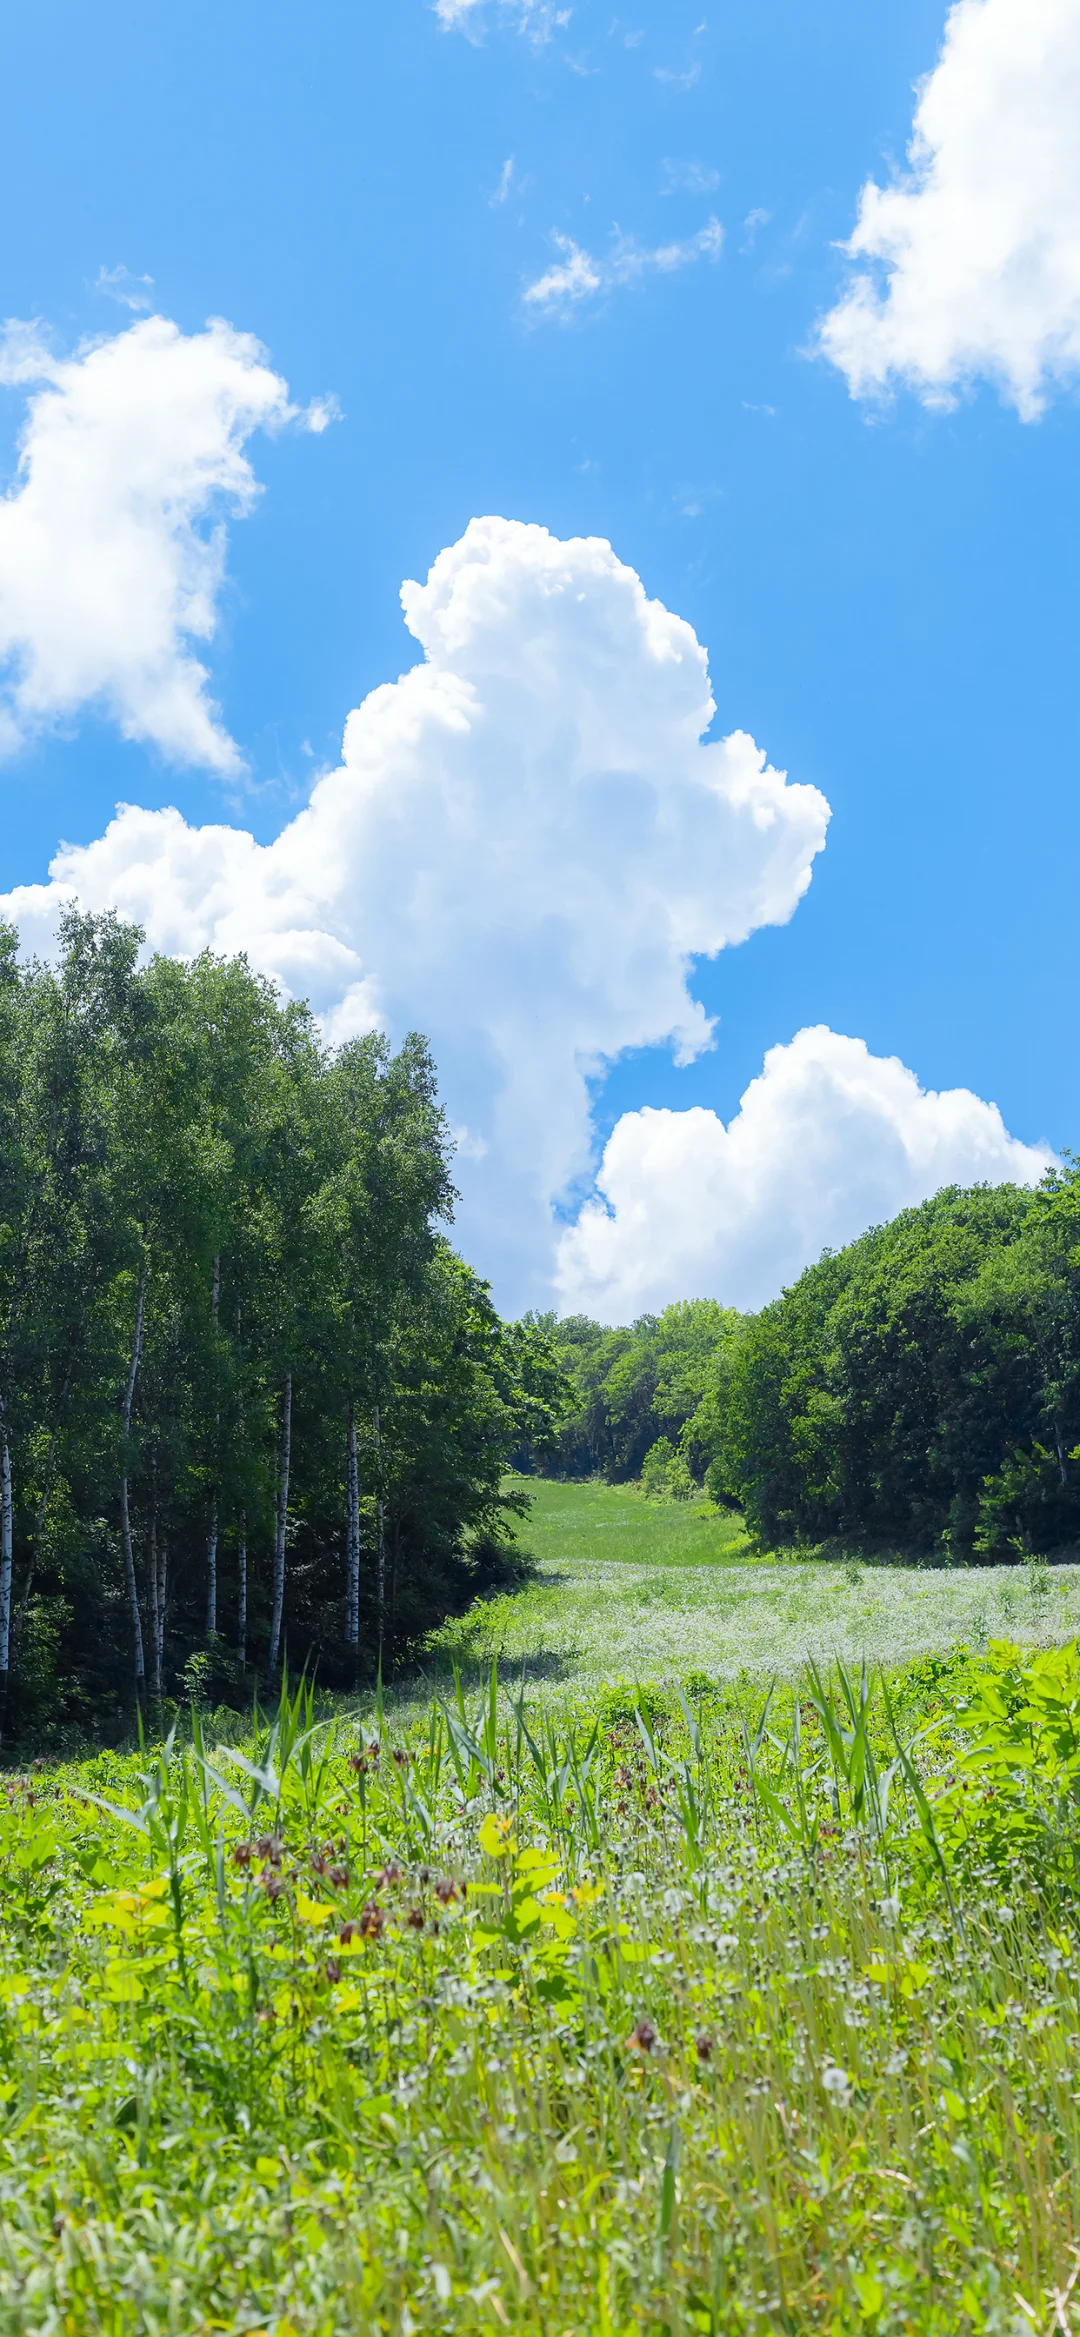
(130, 1582)
(155, 1635)
(380, 1531)
(281, 1526)
(241, 1591)
(162, 1586)
(212, 1536)
(20, 1611)
(352, 1535)
(5, 1568)
(211, 1572)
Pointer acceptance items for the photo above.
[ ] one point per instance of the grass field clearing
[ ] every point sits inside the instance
(647, 1590)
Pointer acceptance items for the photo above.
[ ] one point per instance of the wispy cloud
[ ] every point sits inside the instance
(538, 18)
(675, 80)
(578, 277)
(134, 292)
(752, 221)
(501, 193)
(689, 178)
(575, 277)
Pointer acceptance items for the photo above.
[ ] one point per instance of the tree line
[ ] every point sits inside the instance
(250, 1399)
(918, 1390)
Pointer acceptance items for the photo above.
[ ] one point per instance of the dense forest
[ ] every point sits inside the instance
(919, 1390)
(251, 1403)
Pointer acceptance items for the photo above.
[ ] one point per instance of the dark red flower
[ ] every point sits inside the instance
(642, 2037)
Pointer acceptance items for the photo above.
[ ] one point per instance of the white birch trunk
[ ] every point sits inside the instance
(155, 1619)
(241, 1591)
(130, 1582)
(212, 1536)
(162, 1589)
(5, 1570)
(274, 1648)
(380, 1543)
(211, 1572)
(352, 1536)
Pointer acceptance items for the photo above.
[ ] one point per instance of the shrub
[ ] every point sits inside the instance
(624, 1698)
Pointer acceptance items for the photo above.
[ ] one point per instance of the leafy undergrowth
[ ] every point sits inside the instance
(672, 2016)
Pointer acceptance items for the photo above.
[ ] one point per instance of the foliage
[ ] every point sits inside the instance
(1014, 1805)
(634, 1389)
(249, 1397)
(664, 1473)
(921, 1389)
(516, 2018)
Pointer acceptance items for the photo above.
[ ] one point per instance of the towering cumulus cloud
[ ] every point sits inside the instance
(111, 542)
(970, 263)
(524, 849)
(828, 1140)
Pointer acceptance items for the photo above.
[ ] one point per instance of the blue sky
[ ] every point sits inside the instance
(886, 590)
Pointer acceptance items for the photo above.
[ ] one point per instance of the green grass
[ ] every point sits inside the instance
(615, 1524)
(521, 2026)
(648, 1590)
(502, 2010)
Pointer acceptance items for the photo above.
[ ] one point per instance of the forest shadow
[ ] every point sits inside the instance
(472, 1666)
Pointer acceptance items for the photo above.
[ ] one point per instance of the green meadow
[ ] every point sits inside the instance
(637, 1589)
(611, 1986)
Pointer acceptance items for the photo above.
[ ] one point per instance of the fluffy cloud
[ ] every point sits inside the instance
(975, 254)
(827, 1140)
(112, 543)
(578, 277)
(524, 849)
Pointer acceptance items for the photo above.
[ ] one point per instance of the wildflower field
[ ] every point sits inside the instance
(682, 2009)
(646, 1589)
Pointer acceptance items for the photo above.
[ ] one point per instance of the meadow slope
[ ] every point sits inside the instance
(643, 1590)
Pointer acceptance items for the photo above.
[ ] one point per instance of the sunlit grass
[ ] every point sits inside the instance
(590, 1521)
(521, 2024)
(624, 1590)
(513, 2008)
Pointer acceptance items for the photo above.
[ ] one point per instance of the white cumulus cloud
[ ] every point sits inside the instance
(112, 538)
(827, 1140)
(972, 258)
(577, 276)
(523, 851)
